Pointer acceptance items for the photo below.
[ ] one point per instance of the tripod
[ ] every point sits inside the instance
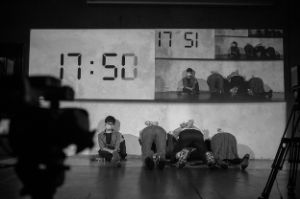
(288, 144)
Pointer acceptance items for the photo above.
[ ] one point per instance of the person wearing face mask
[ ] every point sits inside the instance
(109, 142)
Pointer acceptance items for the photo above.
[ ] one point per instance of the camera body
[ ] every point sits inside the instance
(38, 135)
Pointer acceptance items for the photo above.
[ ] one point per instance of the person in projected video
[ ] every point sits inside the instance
(234, 51)
(190, 83)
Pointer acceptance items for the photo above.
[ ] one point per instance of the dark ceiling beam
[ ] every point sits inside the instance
(188, 2)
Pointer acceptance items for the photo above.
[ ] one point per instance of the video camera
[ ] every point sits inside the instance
(38, 134)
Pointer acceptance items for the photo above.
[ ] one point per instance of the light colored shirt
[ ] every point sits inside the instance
(177, 131)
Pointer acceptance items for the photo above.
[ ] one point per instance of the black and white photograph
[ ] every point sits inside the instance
(241, 47)
(250, 73)
(202, 81)
(149, 99)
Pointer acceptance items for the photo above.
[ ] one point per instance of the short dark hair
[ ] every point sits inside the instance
(234, 42)
(189, 70)
(110, 119)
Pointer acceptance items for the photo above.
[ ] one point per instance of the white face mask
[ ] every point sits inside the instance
(109, 128)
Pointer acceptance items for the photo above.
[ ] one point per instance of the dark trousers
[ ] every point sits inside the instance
(216, 83)
(105, 154)
(191, 138)
(170, 144)
(122, 152)
(108, 156)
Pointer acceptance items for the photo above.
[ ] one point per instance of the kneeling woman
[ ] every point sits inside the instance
(190, 146)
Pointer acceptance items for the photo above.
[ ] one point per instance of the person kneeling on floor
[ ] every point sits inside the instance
(190, 146)
(109, 142)
(151, 135)
(224, 148)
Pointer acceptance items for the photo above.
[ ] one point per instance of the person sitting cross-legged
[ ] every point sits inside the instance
(190, 83)
(109, 142)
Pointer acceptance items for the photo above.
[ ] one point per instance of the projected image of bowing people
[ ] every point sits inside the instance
(190, 146)
(256, 88)
(238, 86)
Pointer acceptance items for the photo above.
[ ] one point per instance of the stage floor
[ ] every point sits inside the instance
(92, 180)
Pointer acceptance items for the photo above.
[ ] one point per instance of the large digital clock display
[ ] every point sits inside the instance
(185, 43)
(152, 64)
(98, 64)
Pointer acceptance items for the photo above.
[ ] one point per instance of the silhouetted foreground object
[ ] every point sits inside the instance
(38, 135)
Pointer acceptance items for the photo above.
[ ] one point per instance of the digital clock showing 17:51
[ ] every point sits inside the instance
(97, 64)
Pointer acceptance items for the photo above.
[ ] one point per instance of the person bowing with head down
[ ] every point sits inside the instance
(190, 146)
(153, 142)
